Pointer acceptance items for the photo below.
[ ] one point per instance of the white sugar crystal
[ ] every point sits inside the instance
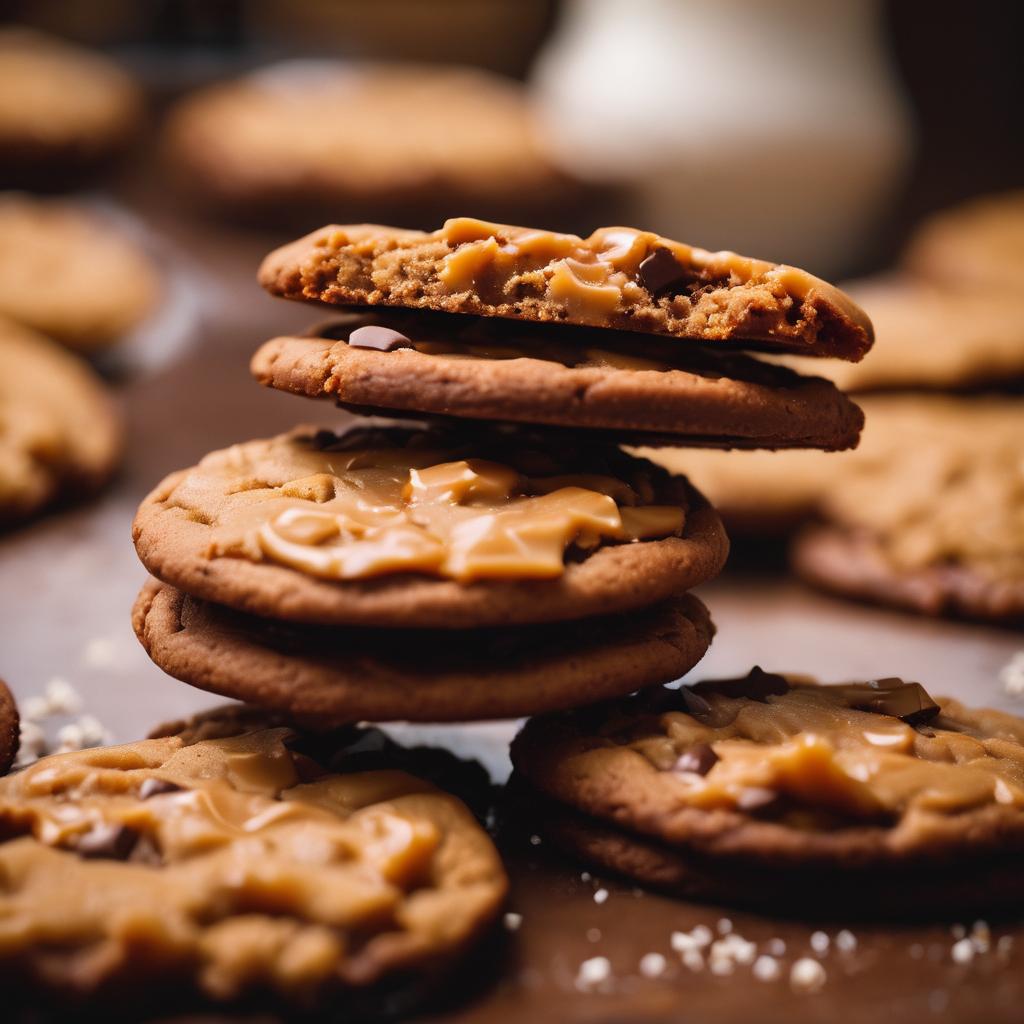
(600, 896)
(807, 975)
(513, 921)
(820, 943)
(652, 965)
(593, 972)
(766, 968)
(846, 941)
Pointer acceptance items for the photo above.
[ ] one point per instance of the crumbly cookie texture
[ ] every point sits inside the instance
(978, 244)
(928, 336)
(318, 132)
(9, 728)
(67, 274)
(787, 772)
(416, 528)
(60, 436)
(62, 108)
(331, 676)
(559, 375)
(618, 277)
(235, 865)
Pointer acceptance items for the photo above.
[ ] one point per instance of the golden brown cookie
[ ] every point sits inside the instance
(64, 111)
(618, 277)
(978, 244)
(9, 728)
(301, 138)
(868, 797)
(631, 385)
(67, 274)
(406, 527)
(235, 867)
(333, 675)
(929, 515)
(60, 435)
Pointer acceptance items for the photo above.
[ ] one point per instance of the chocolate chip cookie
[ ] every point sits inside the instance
(332, 675)
(867, 797)
(68, 274)
(64, 111)
(427, 528)
(9, 728)
(635, 386)
(235, 867)
(617, 277)
(60, 435)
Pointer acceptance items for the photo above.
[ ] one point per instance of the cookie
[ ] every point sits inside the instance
(60, 435)
(67, 274)
(9, 728)
(299, 139)
(930, 337)
(618, 277)
(978, 244)
(333, 675)
(631, 385)
(930, 514)
(64, 111)
(782, 793)
(427, 529)
(234, 867)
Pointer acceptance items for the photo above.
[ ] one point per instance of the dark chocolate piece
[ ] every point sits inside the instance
(758, 685)
(693, 703)
(384, 339)
(109, 842)
(661, 271)
(909, 702)
(698, 760)
(156, 787)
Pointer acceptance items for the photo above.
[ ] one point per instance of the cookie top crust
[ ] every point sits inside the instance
(380, 522)
(60, 435)
(67, 274)
(641, 387)
(787, 771)
(235, 865)
(617, 277)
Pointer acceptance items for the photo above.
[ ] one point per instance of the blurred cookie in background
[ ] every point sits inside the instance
(929, 513)
(310, 139)
(979, 243)
(60, 435)
(64, 111)
(933, 338)
(67, 273)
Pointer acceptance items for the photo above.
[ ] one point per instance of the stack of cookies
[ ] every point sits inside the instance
(496, 554)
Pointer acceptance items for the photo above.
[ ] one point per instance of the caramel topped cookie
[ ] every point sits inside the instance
(640, 387)
(330, 675)
(59, 432)
(63, 110)
(849, 785)
(235, 866)
(66, 273)
(618, 277)
(424, 528)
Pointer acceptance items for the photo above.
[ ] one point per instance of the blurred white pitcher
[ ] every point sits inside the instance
(775, 127)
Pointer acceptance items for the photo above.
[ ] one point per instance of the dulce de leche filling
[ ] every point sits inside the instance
(368, 512)
(867, 751)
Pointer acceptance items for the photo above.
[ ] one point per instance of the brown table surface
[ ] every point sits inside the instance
(67, 584)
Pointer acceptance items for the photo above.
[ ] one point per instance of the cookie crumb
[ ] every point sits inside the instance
(593, 973)
(512, 921)
(962, 951)
(766, 968)
(88, 731)
(652, 965)
(820, 943)
(600, 896)
(807, 975)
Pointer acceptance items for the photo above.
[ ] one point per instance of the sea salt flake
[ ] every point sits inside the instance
(807, 975)
(766, 968)
(593, 973)
(652, 965)
(513, 921)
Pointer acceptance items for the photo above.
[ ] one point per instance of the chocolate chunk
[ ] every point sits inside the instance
(909, 702)
(384, 339)
(693, 703)
(106, 841)
(698, 760)
(156, 787)
(758, 685)
(661, 271)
